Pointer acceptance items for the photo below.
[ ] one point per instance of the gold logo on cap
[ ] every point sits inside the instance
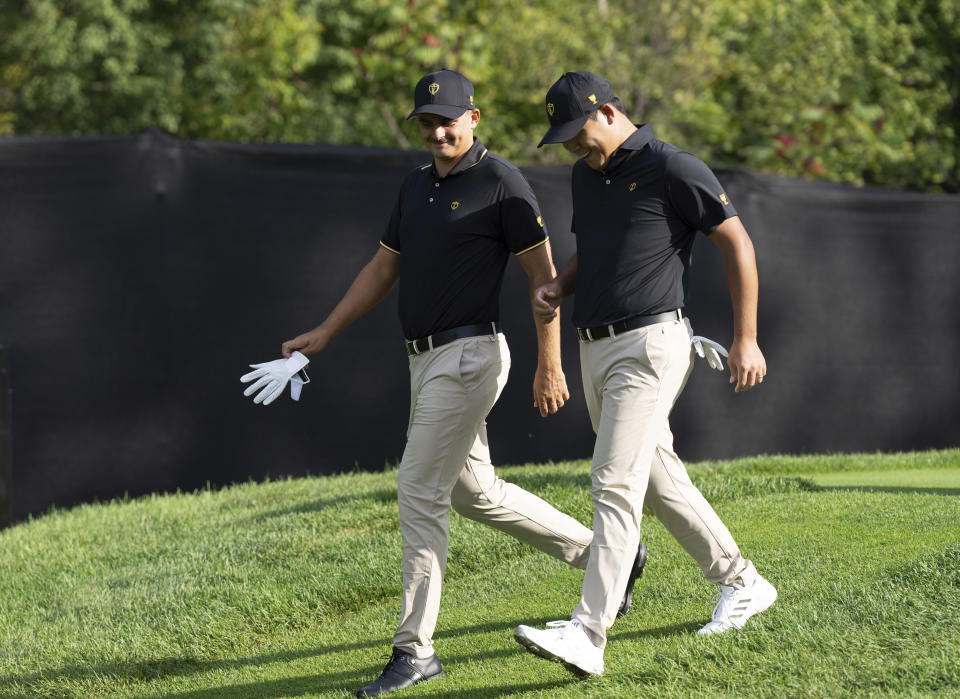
(454, 205)
(592, 98)
(433, 88)
(633, 186)
(550, 109)
(471, 100)
(723, 198)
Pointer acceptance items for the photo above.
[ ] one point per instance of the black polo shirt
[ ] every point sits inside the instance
(454, 235)
(635, 224)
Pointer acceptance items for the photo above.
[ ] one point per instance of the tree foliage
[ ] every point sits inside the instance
(863, 91)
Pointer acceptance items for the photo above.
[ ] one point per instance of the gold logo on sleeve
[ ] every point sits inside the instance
(724, 200)
(540, 221)
(633, 186)
(454, 205)
(433, 88)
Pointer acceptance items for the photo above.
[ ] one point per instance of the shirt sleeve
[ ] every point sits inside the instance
(696, 193)
(391, 237)
(576, 184)
(520, 217)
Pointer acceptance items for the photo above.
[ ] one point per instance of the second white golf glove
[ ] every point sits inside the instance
(270, 378)
(709, 350)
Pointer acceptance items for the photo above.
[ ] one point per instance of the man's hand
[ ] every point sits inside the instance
(549, 390)
(747, 365)
(546, 298)
(307, 343)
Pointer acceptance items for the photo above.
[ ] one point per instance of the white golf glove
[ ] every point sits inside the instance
(270, 378)
(709, 350)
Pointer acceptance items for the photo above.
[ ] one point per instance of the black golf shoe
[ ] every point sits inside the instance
(638, 564)
(403, 670)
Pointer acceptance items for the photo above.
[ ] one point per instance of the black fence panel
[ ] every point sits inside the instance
(139, 275)
(6, 434)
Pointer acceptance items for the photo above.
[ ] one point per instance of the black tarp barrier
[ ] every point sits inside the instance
(140, 274)
(6, 433)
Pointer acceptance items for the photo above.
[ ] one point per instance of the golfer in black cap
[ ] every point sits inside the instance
(638, 204)
(456, 222)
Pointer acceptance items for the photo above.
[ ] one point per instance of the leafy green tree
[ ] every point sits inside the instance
(242, 69)
(863, 91)
(84, 66)
(844, 91)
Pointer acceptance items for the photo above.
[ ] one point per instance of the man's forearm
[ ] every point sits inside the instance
(743, 282)
(538, 264)
(549, 385)
(548, 340)
(740, 263)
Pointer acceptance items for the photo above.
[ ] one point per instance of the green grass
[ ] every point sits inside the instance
(290, 589)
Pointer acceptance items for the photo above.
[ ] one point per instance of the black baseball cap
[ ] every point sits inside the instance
(570, 102)
(444, 92)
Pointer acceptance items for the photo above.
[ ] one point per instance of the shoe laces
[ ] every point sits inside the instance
(723, 599)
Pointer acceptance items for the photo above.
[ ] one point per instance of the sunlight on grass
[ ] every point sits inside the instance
(913, 478)
(291, 589)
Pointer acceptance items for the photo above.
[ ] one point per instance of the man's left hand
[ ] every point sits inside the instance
(545, 299)
(549, 390)
(747, 365)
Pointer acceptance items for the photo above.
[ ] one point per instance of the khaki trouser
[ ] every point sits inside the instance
(447, 461)
(631, 383)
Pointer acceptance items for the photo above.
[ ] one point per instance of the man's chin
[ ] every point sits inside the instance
(592, 162)
(444, 154)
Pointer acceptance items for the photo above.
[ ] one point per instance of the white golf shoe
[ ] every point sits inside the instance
(735, 606)
(565, 642)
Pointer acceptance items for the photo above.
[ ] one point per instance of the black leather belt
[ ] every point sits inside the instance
(430, 342)
(614, 329)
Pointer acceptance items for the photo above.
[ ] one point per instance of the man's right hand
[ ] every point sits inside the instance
(546, 298)
(307, 343)
(549, 390)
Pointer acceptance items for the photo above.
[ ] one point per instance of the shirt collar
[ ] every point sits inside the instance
(639, 138)
(637, 141)
(469, 159)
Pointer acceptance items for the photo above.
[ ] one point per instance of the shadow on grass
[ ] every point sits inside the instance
(301, 686)
(659, 632)
(891, 489)
(144, 671)
(538, 482)
(380, 495)
(352, 680)
(147, 670)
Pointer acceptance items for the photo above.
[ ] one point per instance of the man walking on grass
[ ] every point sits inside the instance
(638, 203)
(456, 222)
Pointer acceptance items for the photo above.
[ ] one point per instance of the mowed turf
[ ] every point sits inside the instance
(290, 589)
(917, 480)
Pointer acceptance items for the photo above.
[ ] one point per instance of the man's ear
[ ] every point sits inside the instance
(474, 118)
